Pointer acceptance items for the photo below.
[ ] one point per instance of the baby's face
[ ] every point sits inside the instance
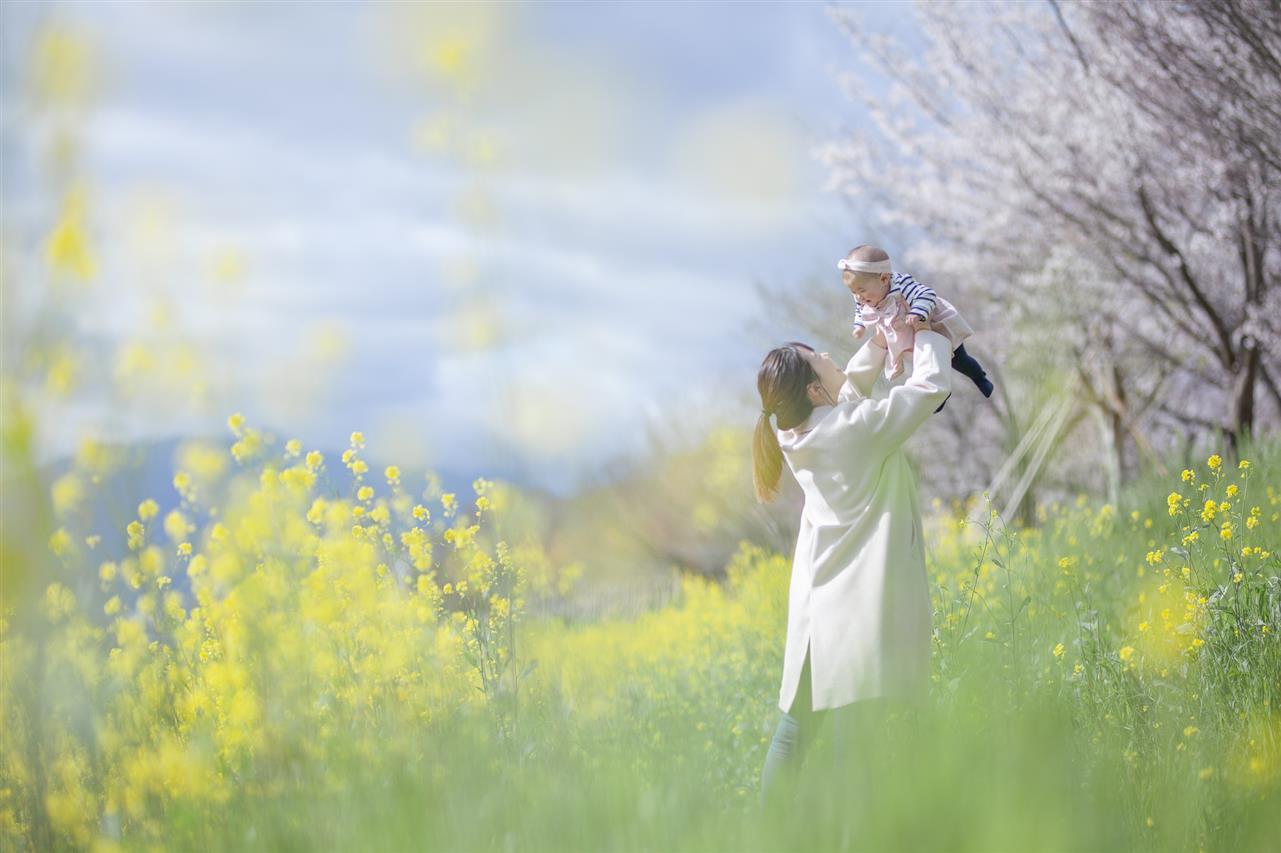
(866, 287)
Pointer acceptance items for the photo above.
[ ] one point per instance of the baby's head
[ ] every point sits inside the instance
(865, 271)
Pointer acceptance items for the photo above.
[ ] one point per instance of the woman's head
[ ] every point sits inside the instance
(793, 379)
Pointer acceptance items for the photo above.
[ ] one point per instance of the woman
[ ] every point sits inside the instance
(858, 606)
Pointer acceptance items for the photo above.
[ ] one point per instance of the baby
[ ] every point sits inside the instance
(894, 305)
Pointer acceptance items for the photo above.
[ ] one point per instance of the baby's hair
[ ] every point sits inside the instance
(867, 252)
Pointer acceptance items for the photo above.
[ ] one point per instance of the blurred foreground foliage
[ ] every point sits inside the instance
(269, 665)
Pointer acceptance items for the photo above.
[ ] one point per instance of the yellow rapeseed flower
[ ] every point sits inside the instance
(1208, 511)
(364, 493)
(60, 542)
(392, 473)
(67, 493)
(293, 447)
(1232, 490)
(314, 460)
(1225, 532)
(236, 423)
(1126, 652)
(1214, 462)
(357, 440)
(147, 509)
(177, 526)
(1058, 650)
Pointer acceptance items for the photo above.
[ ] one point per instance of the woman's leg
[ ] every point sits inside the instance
(792, 738)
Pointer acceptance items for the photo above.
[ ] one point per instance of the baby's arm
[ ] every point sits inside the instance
(920, 301)
(860, 328)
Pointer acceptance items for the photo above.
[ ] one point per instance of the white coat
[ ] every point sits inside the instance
(859, 597)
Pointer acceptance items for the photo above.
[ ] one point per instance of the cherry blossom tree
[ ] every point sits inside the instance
(1099, 181)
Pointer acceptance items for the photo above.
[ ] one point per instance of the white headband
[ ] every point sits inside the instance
(864, 266)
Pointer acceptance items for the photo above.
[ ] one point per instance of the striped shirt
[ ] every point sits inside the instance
(919, 298)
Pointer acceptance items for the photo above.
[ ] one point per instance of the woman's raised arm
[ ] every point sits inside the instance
(864, 366)
(880, 426)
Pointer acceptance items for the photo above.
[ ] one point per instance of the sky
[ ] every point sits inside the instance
(510, 237)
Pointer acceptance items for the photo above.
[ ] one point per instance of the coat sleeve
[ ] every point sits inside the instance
(879, 427)
(863, 368)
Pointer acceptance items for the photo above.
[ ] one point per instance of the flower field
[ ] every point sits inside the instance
(275, 663)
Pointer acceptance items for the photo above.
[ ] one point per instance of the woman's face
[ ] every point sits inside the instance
(831, 377)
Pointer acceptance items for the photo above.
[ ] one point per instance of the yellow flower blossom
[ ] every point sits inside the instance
(1214, 462)
(1208, 511)
(60, 542)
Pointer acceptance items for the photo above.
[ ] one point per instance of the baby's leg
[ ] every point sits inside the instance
(967, 365)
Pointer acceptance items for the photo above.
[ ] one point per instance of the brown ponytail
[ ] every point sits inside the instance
(781, 383)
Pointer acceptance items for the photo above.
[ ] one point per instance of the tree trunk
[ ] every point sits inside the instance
(1247, 376)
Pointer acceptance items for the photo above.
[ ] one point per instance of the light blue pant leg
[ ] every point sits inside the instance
(792, 737)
